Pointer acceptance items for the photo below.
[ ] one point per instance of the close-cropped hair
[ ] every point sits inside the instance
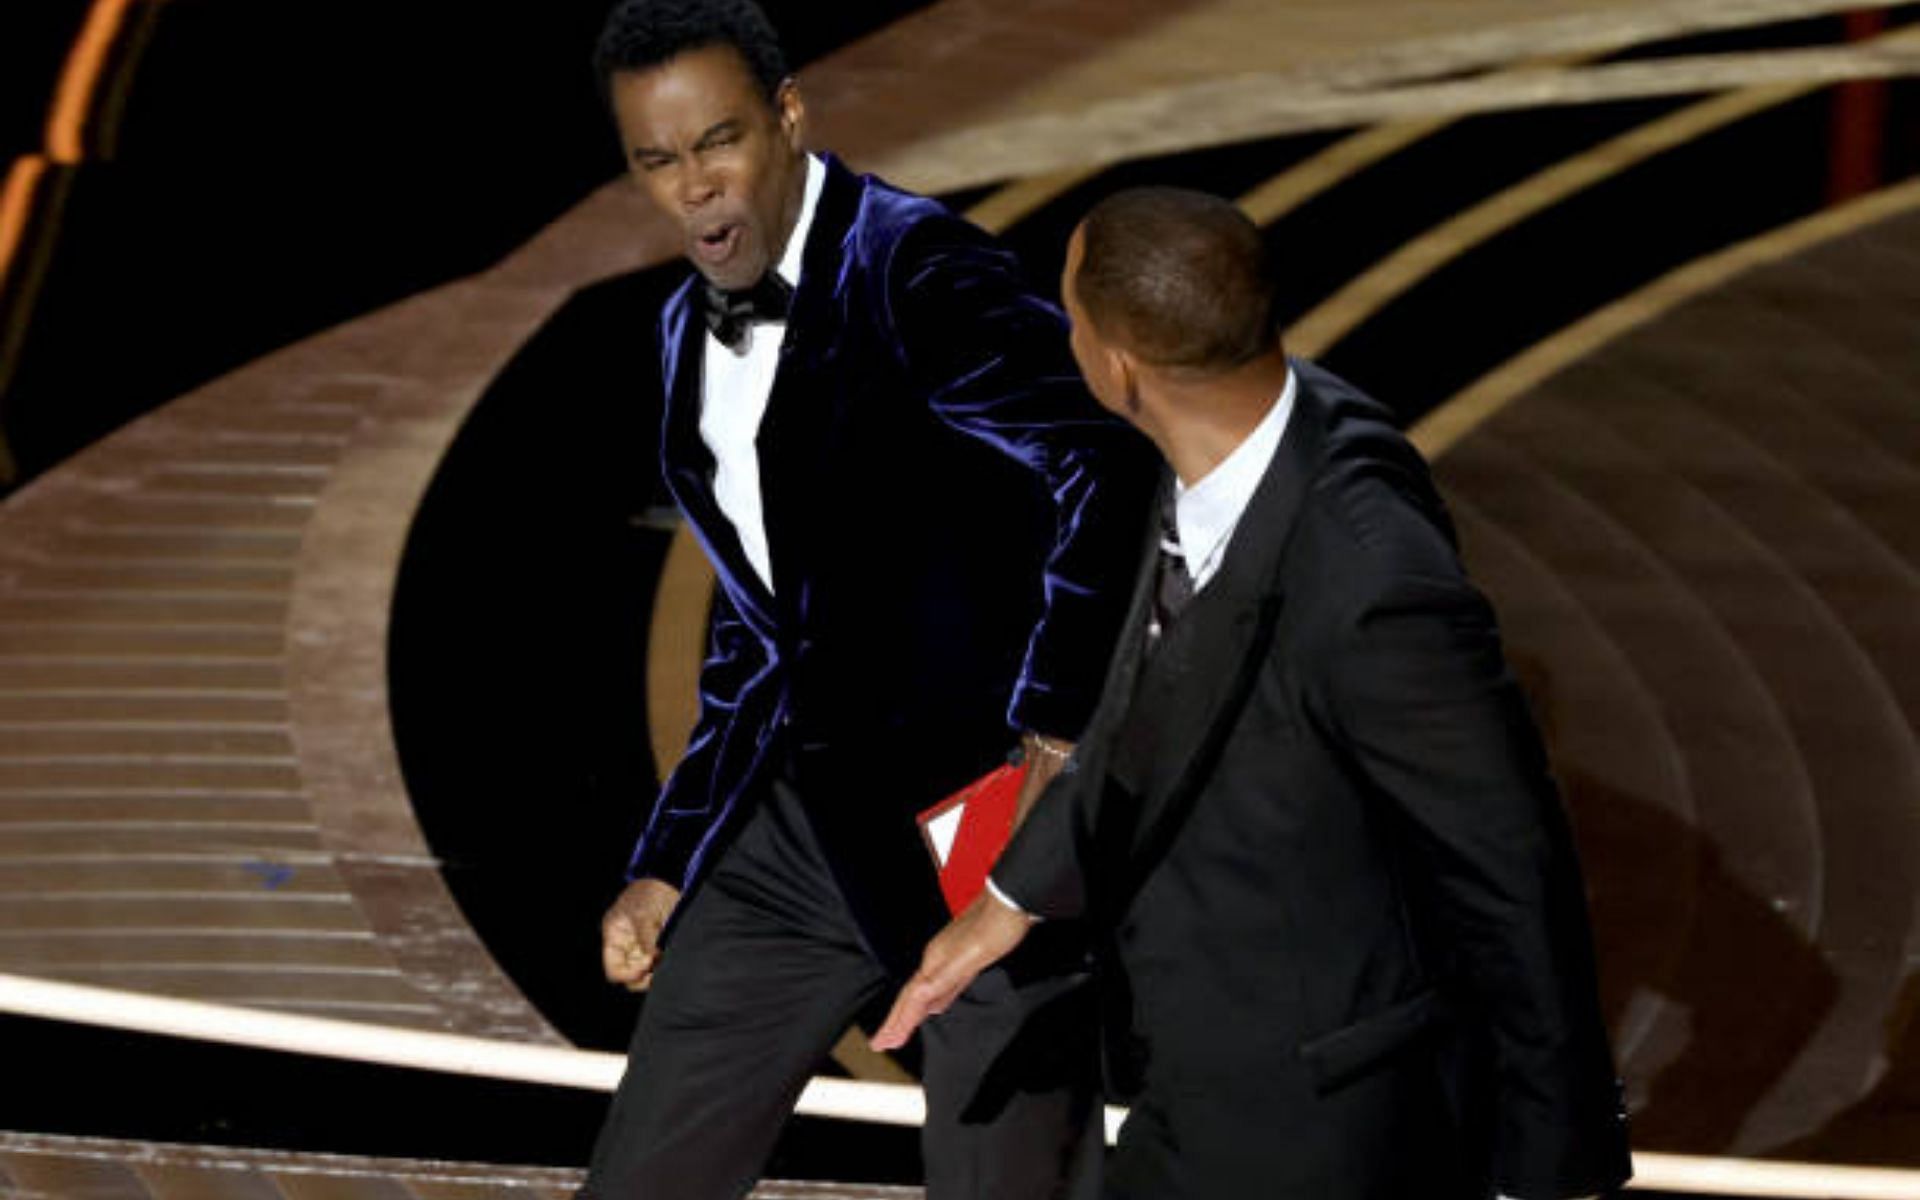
(639, 34)
(1180, 278)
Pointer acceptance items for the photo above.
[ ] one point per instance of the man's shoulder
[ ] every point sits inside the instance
(1372, 516)
(893, 206)
(890, 221)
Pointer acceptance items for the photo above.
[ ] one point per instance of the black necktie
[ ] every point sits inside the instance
(729, 314)
(1174, 587)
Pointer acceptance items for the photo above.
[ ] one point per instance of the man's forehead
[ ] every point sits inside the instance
(717, 67)
(661, 102)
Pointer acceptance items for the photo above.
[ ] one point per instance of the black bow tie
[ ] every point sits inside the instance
(729, 314)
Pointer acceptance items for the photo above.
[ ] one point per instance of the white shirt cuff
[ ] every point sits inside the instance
(993, 889)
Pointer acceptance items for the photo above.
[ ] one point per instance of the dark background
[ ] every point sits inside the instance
(276, 169)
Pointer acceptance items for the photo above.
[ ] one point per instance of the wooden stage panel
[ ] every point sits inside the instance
(99, 1169)
(1755, 455)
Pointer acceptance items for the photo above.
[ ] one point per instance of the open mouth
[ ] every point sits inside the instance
(717, 244)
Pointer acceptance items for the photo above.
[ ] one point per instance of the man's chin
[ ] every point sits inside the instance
(730, 281)
(734, 275)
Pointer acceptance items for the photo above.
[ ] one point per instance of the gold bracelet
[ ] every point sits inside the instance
(1038, 743)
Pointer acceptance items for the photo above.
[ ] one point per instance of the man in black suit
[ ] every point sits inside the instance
(1347, 943)
(922, 525)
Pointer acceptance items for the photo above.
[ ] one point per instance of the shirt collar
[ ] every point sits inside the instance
(1207, 512)
(796, 250)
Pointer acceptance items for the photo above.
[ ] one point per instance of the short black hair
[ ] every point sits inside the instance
(639, 34)
(1181, 278)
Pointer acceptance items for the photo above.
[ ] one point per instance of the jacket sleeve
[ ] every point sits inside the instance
(1043, 868)
(684, 813)
(1419, 694)
(992, 357)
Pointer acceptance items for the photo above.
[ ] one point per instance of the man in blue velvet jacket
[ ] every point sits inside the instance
(921, 523)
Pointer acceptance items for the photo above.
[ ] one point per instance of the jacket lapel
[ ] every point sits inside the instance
(689, 463)
(1192, 688)
(793, 440)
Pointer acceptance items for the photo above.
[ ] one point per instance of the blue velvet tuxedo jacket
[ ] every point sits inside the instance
(951, 521)
(1342, 898)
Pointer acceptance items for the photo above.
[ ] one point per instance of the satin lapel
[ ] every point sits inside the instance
(689, 464)
(795, 432)
(1192, 688)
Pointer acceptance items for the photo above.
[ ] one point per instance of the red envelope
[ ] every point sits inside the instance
(966, 832)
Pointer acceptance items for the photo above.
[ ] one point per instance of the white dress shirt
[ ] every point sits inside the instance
(734, 388)
(1207, 511)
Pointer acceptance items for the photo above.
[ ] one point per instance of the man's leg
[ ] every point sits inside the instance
(762, 975)
(1013, 1109)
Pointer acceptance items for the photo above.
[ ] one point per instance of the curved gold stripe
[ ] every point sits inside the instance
(1416, 260)
(112, 94)
(1304, 180)
(1399, 272)
(80, 79)
(1019, 200)
(676, 646)
(1348, 157)
(1445, 426)
(1341, 161)
(16, 204)
(1222, 112)
(73, 98)
(1286, 191)
(1291, 188)
(18, 198)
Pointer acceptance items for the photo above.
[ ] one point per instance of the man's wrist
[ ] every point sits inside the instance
(1038, 748)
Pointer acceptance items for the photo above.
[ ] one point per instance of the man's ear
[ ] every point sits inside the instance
(792, 109)
(1124, 369)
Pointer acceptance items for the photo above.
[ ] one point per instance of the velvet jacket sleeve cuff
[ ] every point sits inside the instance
(666, 851)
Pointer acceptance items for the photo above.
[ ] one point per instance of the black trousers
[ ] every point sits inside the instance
(1265, 1127)
(765, 971)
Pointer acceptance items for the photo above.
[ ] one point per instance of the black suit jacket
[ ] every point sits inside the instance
(1345, 907)
(950, 518)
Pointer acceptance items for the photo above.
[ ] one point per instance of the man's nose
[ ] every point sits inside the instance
(697, 186)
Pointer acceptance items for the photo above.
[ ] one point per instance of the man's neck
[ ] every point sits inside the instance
(790, 210)
(1208, 417)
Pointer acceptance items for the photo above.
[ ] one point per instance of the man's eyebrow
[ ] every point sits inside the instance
(639, 152)
(728, 126)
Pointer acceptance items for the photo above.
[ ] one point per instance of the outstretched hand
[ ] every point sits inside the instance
(979, 937)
